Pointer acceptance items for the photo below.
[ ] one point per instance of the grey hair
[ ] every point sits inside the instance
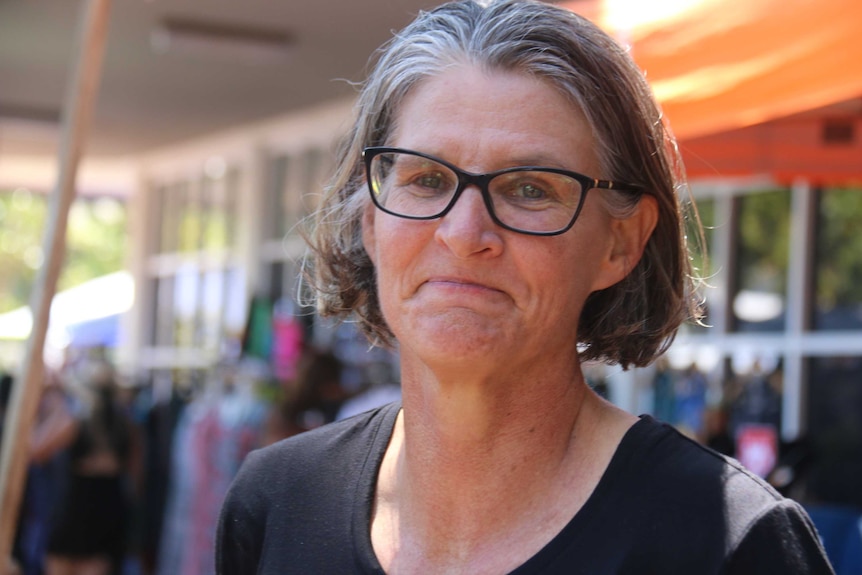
(629, 323)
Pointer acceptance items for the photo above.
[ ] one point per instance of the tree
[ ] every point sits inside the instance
(96, 242)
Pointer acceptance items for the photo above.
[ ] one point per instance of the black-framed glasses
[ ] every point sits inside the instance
(534, 200)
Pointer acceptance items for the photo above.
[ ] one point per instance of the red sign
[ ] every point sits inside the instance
(757, 448)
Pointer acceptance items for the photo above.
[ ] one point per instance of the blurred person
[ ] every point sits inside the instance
(716, 431)
(54, 427)
(791, 474)
(6, 381)
(12, 566)
(89, 533)
(319, 393)
(664, 394)
(755, 398)
(690, 402)
(311, 400)
(505, 209)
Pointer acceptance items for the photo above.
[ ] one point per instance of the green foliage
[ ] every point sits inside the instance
(839, 249)
(22, 218)
(95, 243)
(764, 241)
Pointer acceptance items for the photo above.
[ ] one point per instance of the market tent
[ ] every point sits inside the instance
(84, 315)
(718, 66)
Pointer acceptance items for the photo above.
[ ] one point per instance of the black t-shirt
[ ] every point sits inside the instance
(665, 506)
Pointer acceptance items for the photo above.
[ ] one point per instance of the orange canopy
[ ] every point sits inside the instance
(720, 65)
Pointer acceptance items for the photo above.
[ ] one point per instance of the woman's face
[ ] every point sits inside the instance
(461, 290)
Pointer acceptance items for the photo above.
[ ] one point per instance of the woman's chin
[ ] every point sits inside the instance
(457, 336)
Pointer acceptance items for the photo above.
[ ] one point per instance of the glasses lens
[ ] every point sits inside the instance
(410, 185)
(535, 200)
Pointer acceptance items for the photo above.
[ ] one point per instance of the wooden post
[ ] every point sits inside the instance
(77, 112)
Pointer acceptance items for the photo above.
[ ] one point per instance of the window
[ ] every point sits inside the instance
(838, 263)
(170, 199)
(193, 271)
(763, 236)
(295, 187)
(217, 211)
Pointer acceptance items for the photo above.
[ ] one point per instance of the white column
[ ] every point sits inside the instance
(142, 239)
(800, 256)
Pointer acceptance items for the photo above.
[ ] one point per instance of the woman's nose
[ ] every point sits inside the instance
(468, 228)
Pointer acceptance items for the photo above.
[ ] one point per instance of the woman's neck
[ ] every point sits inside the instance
(471, 424)
(475, 462)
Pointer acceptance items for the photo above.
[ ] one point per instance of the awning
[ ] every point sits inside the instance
(718, 65)
(751, 87)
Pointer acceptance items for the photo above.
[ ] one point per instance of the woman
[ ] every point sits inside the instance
(497, 269)
(89, 535)
(54, 429)
(313, 399)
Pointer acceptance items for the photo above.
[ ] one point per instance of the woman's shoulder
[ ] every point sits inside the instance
(671, 458)
(678, 490)
(688, 479)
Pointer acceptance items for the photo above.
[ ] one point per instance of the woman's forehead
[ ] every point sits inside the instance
(465, 110)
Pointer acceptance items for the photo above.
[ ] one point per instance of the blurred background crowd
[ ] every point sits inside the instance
(128, 477)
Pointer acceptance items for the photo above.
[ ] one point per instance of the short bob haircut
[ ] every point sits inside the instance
(629, 323)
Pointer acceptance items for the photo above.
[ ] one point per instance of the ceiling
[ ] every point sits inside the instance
(715, 65)
(148, 99)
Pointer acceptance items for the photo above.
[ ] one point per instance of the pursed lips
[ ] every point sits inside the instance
(460, 284)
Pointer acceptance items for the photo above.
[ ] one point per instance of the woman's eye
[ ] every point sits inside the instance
(433, 181)
(529, 191)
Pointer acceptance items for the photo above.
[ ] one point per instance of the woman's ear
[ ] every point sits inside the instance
(368, 238)
(634, 232)
(629, 237)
